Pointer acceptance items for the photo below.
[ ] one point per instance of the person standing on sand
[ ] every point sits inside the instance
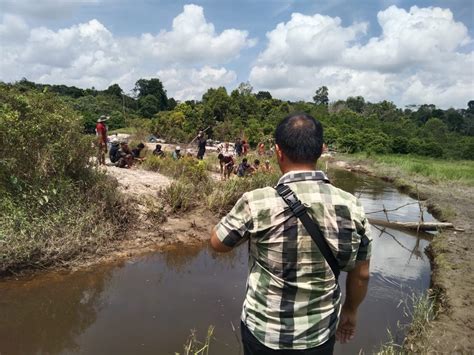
(296, 250)
(101, 131)
(201, 145)
(238, 147)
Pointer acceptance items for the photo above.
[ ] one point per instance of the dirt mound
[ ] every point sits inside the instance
(138, 182)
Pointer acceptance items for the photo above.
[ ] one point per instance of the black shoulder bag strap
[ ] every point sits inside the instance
(311, 226)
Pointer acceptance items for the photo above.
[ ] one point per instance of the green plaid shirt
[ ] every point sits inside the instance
(292, 300)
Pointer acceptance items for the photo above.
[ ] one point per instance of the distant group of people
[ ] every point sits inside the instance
(122, 156)
(228, 166)
(241, 147)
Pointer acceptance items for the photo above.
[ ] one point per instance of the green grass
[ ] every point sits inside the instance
(438, 170)
(420, 309)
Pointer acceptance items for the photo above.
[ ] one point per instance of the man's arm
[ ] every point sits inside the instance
(356, 289)
(234, 228)
(217, 245)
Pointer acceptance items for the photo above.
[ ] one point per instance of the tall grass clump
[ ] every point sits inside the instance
(54, 206)
(192, 181)
(185, 167)
(225, 194)
(420, 310)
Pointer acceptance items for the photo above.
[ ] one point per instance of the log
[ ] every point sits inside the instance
(422, 226)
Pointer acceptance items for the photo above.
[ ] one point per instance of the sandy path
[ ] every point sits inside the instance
(138, 182)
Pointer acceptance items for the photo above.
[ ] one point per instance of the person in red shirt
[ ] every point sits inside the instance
(101, 131)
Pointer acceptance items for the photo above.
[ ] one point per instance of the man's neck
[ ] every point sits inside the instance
(297, 167)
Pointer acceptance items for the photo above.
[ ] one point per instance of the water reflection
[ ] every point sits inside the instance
(47, 314)
(149, 305)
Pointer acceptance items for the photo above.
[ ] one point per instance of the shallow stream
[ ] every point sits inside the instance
(150, 304)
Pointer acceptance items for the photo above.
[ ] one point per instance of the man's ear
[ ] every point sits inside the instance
(279, 152)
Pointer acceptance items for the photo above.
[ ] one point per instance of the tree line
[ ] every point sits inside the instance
(351, 125)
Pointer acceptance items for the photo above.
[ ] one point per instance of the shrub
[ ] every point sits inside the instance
(54, 206)
(225, 194)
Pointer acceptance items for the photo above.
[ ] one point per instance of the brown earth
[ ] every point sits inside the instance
(155, 227)
(452, 258)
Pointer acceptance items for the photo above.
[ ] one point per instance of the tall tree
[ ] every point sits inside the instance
(321, 96)
(154, 87)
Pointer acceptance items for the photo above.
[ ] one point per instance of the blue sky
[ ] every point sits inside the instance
(408, 67)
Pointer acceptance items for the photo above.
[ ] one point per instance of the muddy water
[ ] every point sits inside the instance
(150, 304)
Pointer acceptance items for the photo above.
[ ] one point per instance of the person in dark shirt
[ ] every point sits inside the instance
(238, 147)
(136, 151)
(201, 146)
(244, 168)
(113, 153)
(158, 152)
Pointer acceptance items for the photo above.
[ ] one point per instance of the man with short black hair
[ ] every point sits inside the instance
(300, 234)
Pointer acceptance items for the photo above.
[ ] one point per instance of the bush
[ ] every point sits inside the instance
(41, 138)
(225, 194)
(53, 205)
(190, 168)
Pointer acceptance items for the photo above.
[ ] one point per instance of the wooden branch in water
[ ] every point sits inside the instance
(422, 226)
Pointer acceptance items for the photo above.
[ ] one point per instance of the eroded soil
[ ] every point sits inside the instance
(155, 227)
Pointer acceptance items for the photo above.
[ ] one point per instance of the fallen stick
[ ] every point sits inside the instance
(423, 226)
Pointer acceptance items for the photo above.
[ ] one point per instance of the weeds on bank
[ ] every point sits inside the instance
(225, 194)
(421, 312)
(196, 347)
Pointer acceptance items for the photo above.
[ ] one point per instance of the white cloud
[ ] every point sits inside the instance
(191, 84)
(309, 40)
(417, 58)
(192, 40)
(88, 54)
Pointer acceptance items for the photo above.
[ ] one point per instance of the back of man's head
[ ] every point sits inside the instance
(300, 138)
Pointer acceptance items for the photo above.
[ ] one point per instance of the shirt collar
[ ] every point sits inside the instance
(309, 175)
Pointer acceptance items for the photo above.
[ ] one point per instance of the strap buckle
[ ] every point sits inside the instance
(290, 198)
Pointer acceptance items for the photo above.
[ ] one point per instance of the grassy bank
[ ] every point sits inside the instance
(436, 170)
(194, 187)
(448, 188)
(55, 207)
(420, 308)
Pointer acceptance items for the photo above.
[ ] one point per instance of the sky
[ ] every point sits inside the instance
(408, 52)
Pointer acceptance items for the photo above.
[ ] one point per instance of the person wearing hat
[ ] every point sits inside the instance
(177, 153)
(101, 131)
